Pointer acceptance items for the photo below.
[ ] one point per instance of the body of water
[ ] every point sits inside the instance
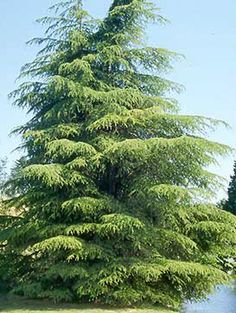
(222, 301)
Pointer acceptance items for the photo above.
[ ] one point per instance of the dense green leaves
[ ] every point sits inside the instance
(230, 204)
(110, 195)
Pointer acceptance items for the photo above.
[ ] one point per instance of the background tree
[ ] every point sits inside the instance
(3, 174)
(110, 190)
(230, 204)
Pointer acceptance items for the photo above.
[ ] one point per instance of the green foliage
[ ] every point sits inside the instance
(111, 193)
(3, 175)
(230, 204)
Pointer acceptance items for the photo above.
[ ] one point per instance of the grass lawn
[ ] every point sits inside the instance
(16, 305)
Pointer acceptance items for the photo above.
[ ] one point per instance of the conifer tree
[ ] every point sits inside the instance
(230, 204)
(3, 174)
(110, 190)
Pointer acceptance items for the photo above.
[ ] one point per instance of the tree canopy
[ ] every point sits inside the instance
(111, 191)
(230, 204)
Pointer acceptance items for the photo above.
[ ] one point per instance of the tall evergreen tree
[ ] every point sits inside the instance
(230, 204)
(110, 191)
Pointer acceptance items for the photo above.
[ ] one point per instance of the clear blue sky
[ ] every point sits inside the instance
(205, 31)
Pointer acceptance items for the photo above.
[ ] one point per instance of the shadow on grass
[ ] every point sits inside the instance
(15, 304)
(21, 305)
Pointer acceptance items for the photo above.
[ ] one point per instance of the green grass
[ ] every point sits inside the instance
(17, 305)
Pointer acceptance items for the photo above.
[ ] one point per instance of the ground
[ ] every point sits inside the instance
(16, 305)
